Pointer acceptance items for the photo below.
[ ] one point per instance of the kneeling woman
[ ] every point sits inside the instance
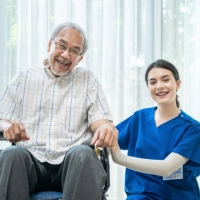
(163, 143)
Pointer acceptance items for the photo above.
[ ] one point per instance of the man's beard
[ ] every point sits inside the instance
(54, 72)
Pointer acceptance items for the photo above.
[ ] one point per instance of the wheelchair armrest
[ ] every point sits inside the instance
(4, 139)
(104, 157)
(1, 136)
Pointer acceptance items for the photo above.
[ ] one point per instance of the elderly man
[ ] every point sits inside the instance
(48, 112)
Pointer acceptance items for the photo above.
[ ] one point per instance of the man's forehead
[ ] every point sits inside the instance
(71, 33)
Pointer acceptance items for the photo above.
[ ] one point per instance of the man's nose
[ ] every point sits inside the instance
(66, 53)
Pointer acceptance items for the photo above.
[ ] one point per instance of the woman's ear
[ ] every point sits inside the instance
(178, 84)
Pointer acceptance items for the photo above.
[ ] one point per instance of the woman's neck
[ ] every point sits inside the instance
(164, 114)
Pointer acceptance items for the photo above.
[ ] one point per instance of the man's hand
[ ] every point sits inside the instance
(105, 135)
(15, 132)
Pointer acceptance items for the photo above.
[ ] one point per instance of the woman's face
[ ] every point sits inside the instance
(163, 86)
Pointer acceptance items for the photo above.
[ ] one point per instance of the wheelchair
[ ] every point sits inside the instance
(102, 154)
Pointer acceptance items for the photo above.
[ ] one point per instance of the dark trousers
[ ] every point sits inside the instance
(80, 176)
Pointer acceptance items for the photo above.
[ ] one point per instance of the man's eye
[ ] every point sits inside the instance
(74, 52)
(61, 46)
(166, 80)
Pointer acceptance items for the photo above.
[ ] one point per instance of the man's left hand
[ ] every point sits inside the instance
(105, 135)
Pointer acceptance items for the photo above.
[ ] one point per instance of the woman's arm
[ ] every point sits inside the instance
(157, 167)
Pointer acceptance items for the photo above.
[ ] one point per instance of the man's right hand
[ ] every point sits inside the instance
(15, 132)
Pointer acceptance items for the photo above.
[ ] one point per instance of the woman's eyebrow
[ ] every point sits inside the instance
(151, 79)
(164, 76)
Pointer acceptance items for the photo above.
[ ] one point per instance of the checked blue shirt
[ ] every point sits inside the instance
(56, 112)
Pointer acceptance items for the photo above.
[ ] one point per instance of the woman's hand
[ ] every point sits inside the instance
(114, 148)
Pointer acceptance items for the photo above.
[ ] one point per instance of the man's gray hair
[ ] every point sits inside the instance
(73, 26)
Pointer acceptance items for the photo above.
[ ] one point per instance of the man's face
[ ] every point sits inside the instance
(62, 61)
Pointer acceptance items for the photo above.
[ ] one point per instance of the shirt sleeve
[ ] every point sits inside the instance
(10, 100)
(124, 133)
(128, 130)
(189, 144)
(97, 104)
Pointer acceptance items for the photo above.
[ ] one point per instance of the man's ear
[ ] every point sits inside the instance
(49, 46)
(81, 57)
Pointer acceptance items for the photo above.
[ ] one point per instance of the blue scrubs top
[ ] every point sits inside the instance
(139, 135)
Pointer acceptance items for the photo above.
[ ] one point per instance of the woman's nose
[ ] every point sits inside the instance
(159, 84)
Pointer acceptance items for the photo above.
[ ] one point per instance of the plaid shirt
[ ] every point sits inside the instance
(56, 112)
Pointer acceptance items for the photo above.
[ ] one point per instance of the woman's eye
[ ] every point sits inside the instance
(166, 80)
(152, 83)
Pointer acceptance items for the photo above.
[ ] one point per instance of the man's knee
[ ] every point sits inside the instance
(83, 154)
(81, 150)
(83, 157)
(13, 152)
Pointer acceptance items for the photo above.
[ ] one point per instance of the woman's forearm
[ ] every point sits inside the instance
(157, 167)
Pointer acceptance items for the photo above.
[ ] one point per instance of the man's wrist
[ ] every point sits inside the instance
(97, 124)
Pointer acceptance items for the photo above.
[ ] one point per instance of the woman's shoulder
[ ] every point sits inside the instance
(188, 119)
(189, 123)
(142, 114)
(145, 111)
